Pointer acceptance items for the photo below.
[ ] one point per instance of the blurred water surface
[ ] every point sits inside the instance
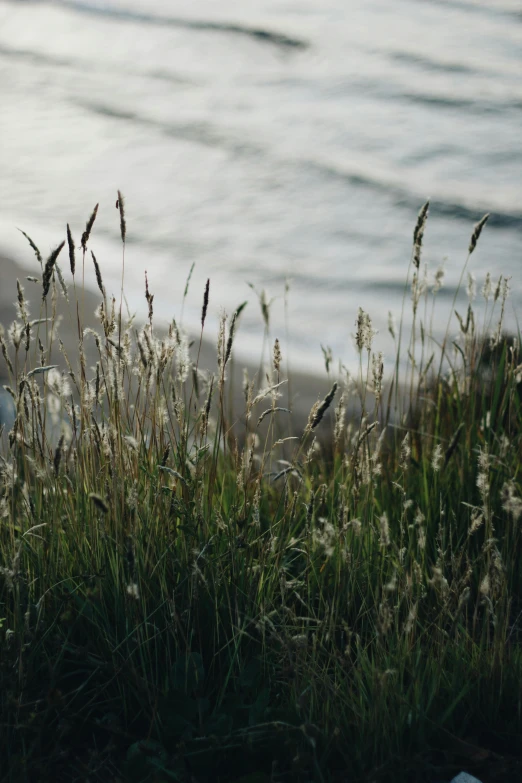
(267, 140)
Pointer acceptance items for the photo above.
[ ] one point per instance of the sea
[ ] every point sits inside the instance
(280, 148)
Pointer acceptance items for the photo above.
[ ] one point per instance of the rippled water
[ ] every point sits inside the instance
(266, 141)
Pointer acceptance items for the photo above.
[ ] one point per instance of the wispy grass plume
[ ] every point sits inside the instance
(194, 594)
(48, 269)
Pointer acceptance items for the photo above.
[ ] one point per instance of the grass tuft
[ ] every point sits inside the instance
(191, 591)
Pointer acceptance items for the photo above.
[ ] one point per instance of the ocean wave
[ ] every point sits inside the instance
(485, 10)
(440, 204)
(460, 211)
(196, 132)
(392, 185)
(393, 90)
(38, 58)
(256, 33)
(476, 106)
(52, 61)
(429, 64)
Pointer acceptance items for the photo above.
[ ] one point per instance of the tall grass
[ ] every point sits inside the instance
(183, 597)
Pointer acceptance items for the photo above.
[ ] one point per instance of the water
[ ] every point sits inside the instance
(267, 141)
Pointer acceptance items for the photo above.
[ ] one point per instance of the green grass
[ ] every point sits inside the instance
(178, 604)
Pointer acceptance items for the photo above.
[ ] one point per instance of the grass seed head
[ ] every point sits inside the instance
(61, 280)
(377, 375)
(48, 270)
(418, 234)
(205, 304)
(33, 246)
(365, 333)
(477, 230)
(72, 254)
(99, 279)
(436, 458)
(23, 310)
(277, 358)
(88, 228)
(120, 205)
(323, 407)
(384, 527)
(149, 297)
(133, 591)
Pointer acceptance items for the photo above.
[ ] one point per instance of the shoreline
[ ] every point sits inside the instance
(305, 388)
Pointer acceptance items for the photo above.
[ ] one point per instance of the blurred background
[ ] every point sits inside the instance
(273, 142)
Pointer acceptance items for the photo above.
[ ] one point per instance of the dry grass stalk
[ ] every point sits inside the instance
(418, 233)
(284, 541)
(120, 205)
(205, 304)
(72, 253)
(323, 407)
(61, 280)
(477, 230)
(48, 270)
(277, 358)
(150, 299)
(32, 244)
(88, 228)
(98, 274)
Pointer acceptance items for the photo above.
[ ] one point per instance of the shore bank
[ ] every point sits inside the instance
(302, 392)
